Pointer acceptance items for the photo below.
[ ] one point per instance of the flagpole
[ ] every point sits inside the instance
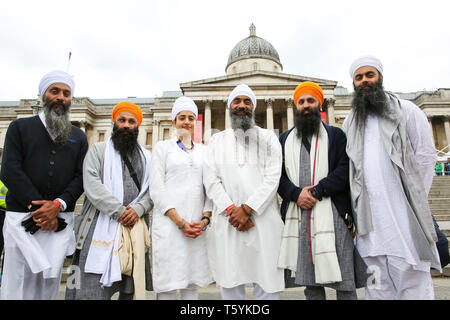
(68, 61)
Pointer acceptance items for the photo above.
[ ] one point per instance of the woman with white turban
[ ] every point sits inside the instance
(182, 211)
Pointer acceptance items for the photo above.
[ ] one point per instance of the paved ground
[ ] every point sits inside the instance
(441, 290)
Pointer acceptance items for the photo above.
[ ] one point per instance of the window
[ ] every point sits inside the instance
(166, 133)
(149, 138)
(101, 136)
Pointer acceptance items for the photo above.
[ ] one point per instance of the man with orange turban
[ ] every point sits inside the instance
(317, 249)
(112, 238)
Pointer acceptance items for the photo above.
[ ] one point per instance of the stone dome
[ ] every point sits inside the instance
(253, 47)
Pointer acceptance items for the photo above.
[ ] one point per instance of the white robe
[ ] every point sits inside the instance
(391, 235)
(176, 181)
(235, 175)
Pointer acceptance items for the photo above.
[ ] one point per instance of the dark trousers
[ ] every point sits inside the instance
(2, 242)
(318, 293)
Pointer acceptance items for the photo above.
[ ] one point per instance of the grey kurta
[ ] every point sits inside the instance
(90, 288)
(353, 268)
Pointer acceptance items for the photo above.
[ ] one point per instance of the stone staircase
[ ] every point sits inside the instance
(439, 200)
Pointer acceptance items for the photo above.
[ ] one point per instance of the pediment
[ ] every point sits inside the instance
(255, 79)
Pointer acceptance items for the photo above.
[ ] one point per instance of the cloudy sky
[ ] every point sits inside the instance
(141, 48)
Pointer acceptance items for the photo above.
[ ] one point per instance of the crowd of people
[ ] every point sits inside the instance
(354, 211)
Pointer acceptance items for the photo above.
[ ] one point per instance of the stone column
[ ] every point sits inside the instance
(290, 112)
(447, 129)
(430, 121)
(227, 115)
(269, 113)
(155, 132)
(330, 111)
(207, 133)
(83, 125)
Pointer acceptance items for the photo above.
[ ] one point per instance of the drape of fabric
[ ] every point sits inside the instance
(323, 249)
(103, 255)
(394, 135)
(133, 244)
(44, 252)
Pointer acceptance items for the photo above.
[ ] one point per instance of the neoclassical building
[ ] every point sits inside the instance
(253, 61)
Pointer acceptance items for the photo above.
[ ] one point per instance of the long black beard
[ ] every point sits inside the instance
(307, 124)
(370, 101)
(242, 122)
(125, 143)
(57, 121)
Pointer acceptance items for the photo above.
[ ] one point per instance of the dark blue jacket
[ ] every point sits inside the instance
(35, 168)
(335, 185)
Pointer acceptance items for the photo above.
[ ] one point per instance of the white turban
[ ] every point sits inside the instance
(56, 76)
(184, 104)
(242, 90)
(365, 61)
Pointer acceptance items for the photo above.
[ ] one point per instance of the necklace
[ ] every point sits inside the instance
(183, 147)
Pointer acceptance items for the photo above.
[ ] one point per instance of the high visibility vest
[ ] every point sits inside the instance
(3, 192)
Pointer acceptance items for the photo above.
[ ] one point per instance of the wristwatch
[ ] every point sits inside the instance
(316, 194)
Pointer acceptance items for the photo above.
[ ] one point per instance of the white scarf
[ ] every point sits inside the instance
(323, 247)
(103, 255)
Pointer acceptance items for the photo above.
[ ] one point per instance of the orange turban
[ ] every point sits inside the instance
(127, 107)
(308, 87)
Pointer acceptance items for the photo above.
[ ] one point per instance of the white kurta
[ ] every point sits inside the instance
(236, 175)
(391, 235)
(176, 181)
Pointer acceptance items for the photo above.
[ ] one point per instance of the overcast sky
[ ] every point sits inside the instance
(142, 48)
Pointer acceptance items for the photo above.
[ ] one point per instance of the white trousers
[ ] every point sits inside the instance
(394, 279)
(238, 293)
(185, 294)
(20, 283)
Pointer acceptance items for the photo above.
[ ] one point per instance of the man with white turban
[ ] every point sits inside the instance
(243, 168)
(392, 156)
(42, 169)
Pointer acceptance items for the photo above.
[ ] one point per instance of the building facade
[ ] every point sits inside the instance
(253, 61)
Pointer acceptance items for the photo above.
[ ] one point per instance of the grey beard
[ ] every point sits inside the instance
(58, 123)
(242, 122)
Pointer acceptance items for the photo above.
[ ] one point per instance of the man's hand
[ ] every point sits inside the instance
(129, 217)
(305, 199)
(238, 217)
(47, 212)
(49, 225)
(246, 226)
